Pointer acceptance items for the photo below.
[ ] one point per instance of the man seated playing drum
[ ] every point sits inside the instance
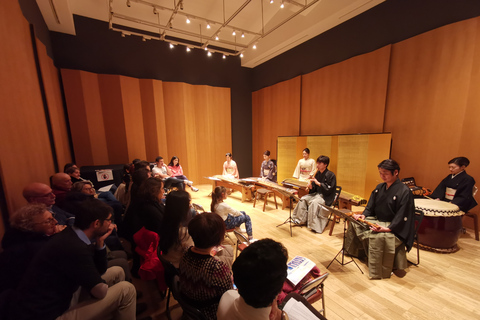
(391, 208)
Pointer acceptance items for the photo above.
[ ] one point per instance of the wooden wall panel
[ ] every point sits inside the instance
(432, 106)
(25, 153)
(347, 97)
(275, 112)
(94, 128)
(77, 113)
(155, 132)
(55, 106)
(113, 118)
(133, 115)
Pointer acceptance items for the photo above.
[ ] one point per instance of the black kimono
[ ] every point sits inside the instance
(392, 208)
(463, 184)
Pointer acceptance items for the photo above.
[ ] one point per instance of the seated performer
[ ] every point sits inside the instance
(230, 167)
(305, 167)
(162, 172)
(232, 217)
(268, 170)
(457, 187)
(177, 172)
(392, 208)
(322, 191)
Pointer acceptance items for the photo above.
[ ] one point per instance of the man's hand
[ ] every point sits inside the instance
(275, 313)
(358, 216)
(377, 228)
(59, 228)
(100, 240)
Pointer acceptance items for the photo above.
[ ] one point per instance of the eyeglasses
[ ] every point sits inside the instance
(109, 219)
(48, 221)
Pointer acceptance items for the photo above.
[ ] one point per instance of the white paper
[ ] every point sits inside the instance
(296, 310)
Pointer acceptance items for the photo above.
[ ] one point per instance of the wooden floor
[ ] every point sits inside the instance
(443, 286)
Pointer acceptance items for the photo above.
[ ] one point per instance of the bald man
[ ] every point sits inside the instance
(37, 192)
(61, 185)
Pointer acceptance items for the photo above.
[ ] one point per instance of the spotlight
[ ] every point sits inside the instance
(241, 55)
(217, 38)
(171, 46)
(128, 3)
(206, 48)
(188, 20)
(224, 57)
(254, 46)
(209, 54)
(271, 1)
(234, 33)
(243, 35)
(282, 5)
(188, 49)
(208, 25)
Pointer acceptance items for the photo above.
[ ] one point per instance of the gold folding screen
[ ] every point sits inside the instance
(353, 158)
(114, 119)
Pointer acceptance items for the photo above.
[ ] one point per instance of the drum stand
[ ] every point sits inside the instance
(343, 250)
(289, 220)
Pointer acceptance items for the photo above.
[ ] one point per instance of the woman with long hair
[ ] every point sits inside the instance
(231, 217)
(177, 172)
(174, 237)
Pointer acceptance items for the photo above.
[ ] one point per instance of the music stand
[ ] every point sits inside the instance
(343, 250)
(289, 220)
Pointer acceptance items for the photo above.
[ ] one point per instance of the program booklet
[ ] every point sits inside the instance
(298, 268)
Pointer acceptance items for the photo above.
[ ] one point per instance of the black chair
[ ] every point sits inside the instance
(242, 242)
(170, 273)
(418, 221)
(189, 312)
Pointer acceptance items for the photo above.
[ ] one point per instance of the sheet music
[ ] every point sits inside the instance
(296, 310)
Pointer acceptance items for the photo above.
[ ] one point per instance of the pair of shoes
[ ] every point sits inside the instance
(194, 189)
(141, 308)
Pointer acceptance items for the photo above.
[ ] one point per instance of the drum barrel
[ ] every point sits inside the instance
(440, 233)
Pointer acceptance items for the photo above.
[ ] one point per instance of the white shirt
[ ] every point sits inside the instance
(233, 307)
(223, 209)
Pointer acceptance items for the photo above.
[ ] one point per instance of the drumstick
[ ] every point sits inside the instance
(428, 197)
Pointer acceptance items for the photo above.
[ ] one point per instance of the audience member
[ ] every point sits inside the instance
(204, 278)
(61, 185)
(66, 263)
(74, 174)
(174, 237)
(177, 172)
(231, 217)
(161, 171)
(37, 192)
(30, 228)
(259, 273)
(69, 165)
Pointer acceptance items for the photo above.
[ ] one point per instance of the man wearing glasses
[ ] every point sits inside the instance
(37, 192)
(69, 279)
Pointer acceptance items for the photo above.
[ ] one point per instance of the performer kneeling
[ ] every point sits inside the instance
(392, 209)
(322, 191)
(232, 217)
